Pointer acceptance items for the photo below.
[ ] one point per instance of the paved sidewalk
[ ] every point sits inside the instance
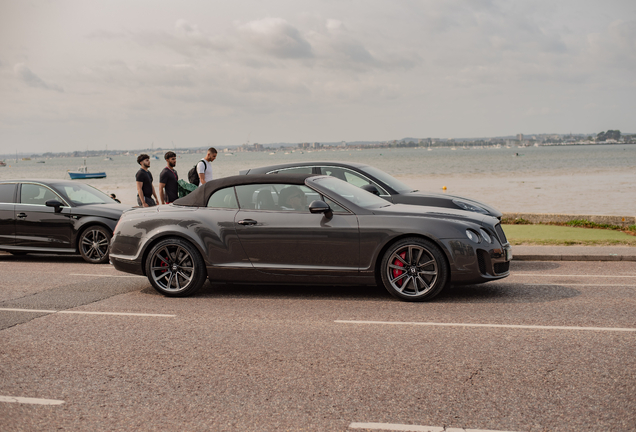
(574, 253)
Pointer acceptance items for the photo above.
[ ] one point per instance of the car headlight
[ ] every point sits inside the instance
(469, 207)
(472, 235)
(485, 235)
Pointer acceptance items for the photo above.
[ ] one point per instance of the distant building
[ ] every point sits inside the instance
(520, 137)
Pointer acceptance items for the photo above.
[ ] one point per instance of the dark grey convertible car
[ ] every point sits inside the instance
(294, 228)
(377, 181)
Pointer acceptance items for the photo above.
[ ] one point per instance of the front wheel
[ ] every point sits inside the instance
(414, 269)
(175, 268)
(94, 243)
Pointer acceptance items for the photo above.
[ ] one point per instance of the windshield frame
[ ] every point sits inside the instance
(60, 189)
(387, 179)
(368, 201)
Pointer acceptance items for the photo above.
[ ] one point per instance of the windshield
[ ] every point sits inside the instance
(351, 193)
(81, 194)
(387, 179)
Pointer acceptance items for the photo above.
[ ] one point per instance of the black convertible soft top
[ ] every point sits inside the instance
(200, 197)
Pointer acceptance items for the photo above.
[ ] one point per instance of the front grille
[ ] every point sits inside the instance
(500, 234)
(502, 267)
(481, 260)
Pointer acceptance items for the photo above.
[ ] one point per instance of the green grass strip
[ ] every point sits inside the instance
(563, 235)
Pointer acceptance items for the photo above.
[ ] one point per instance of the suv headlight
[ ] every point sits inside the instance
(470, 207)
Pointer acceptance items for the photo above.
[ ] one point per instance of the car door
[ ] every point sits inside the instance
(280, 239)
(7, 214)
(38, 226)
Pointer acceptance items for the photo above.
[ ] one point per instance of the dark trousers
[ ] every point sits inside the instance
(149, 201)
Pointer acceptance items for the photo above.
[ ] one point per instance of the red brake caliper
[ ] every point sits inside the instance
(397, 272)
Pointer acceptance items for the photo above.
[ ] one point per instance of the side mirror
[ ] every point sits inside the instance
(371, 188)
(54, 203)
(321, 207)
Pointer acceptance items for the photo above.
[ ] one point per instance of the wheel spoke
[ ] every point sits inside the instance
(176, 279)
(396, 267)
(430, 273)
(399, 278)
(170, 280)
(158, 256)
(424, 284)
(415, 260)
(186, 277)
(426, 264)
(399, 258)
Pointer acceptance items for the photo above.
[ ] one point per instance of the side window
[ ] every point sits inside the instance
(275, 197)
(224, 198)
(7, 191)
(36, 194)
(257, 197)
(297, 170)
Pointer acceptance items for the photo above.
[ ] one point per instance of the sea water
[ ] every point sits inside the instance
(591, 179)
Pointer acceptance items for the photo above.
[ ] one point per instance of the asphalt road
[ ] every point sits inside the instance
(269, 358)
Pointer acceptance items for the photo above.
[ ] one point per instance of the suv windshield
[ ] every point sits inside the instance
(81, 194)
(387, 179)
(352, 193)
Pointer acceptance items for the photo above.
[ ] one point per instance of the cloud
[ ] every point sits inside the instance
(276, 37)
(32, 80)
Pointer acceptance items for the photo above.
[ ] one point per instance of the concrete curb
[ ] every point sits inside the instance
(573, 257)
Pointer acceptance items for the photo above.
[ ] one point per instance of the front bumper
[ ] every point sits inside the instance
(478, 263)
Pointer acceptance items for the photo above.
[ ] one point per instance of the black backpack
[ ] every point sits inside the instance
(193, 175)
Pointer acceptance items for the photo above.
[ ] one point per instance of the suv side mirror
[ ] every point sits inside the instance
(321, 207)
(54, 203)
(371, 188)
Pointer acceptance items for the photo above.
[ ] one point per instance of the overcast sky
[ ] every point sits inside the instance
(78, 75)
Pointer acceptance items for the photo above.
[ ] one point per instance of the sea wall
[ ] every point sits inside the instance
(537, 218)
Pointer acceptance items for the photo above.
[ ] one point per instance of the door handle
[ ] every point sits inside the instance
(247, 222)
(21, 215)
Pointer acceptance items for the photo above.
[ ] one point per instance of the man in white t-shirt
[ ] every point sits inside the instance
(205, 168)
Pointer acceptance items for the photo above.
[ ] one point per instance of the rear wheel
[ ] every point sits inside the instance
(175, 268)
(94, 243)
(414, 269)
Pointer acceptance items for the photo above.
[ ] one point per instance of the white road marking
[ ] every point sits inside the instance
(581, 284)
(103, 275)
(27, 310)
(33, 401)
(579, 275)
(88, 312)
(413, 428)
(513, 326)
(117, 313)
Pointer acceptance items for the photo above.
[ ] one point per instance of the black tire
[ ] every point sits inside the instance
(93, 244)
(175, 268)
(414, 269)
(18, 253)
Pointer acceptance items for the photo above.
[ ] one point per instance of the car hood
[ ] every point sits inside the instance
(419, 196)
(111, 211)
(435, 212)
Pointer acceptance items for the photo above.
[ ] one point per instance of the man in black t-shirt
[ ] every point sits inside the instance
(144, 183)
(168, 180)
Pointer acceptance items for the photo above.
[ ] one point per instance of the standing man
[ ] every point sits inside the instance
(144, 183)
(168, 180)
(204, 168)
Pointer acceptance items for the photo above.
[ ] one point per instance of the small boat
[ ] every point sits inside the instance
(2, 164)
(108, 158)
(41, 162)
(82, 173)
